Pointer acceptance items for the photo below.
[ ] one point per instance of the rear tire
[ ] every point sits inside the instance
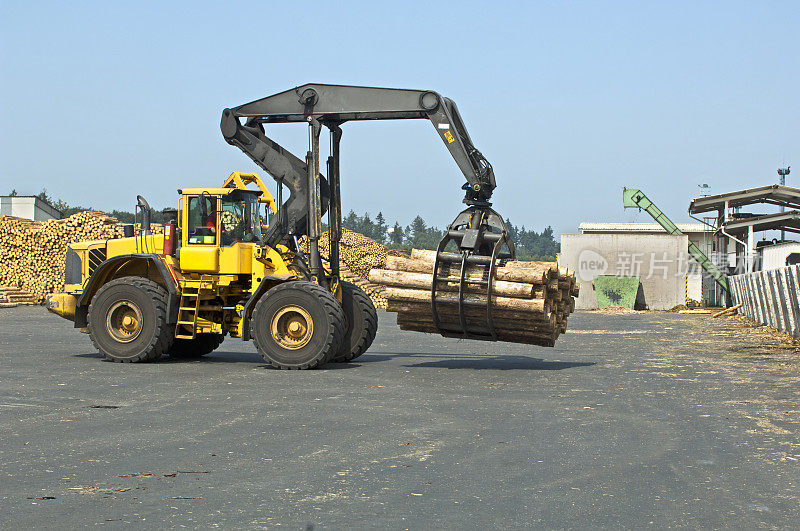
(194, 348)
(297, 325)
(361, 320)
(128, 320)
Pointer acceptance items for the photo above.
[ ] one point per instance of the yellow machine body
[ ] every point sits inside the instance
(62, 304)
(209, 277)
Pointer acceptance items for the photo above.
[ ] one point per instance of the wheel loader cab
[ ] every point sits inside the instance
(221, 226)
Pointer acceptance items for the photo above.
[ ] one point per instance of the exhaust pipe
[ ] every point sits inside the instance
(145, 206)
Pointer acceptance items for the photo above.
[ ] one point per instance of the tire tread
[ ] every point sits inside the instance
(362, 304)
(162, 338)
(332, 309)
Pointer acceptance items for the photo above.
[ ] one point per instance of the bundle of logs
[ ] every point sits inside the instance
(33, 252)
(530, 301)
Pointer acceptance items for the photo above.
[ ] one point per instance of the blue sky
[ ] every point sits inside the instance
(570, 101)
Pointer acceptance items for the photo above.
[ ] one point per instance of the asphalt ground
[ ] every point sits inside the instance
(645, 420)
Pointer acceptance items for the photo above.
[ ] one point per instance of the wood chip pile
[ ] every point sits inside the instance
(32, 253)
(530, 300)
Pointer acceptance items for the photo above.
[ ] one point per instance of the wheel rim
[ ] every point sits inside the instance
(292, 327)
(124, 321)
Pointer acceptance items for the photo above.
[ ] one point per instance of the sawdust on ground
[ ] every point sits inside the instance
(741, 352)
(613, 310)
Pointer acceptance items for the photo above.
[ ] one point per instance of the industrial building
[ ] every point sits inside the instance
(725, 242)
(28, 207)
(660, 260)
(736, 227)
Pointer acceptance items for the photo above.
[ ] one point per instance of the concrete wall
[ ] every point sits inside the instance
(5, 206)
(770, 297)
(774, 256)
(27, 207)
(659, 260)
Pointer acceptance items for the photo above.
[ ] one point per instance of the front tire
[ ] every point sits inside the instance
(297, 325)
(361, 320)
(128, 320)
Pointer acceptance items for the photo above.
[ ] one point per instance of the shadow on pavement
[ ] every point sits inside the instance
(221, 357)
(437, 360)
(218, 356)
(503, 363)
(473, 361)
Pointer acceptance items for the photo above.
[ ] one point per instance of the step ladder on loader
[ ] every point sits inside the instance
(191, 293)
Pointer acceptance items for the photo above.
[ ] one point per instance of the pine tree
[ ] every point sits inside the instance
(365, 225)
(43, 196)
(397, 235)
(379, 231)
(351, 221)
(417, 232)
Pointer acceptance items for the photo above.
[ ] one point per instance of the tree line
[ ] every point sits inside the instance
(123, 216)
(530, 245)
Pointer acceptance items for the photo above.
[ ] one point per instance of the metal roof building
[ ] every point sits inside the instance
(774, 194)
(645, 250)
(736, 236)
(28, 207)
(638, 228)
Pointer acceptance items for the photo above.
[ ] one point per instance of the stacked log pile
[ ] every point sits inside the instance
(358, 255)
(530, 300)
(374, 291)
(119, 229)
(32, 253)
(11, 296)
(356, 251)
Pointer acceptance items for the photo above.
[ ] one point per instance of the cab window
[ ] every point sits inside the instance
(202, 226)
(239, 219)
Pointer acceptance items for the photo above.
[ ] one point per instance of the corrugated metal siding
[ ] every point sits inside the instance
(770, 297)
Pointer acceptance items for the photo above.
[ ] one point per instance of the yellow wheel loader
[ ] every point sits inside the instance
(230, 262)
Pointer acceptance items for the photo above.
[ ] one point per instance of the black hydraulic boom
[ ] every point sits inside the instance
(478, 234)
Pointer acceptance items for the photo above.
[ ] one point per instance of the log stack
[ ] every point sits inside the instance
(32, 253)
(119, 229)
(358, 252)
(11, 296)
(358, 255)
(530, 300)
(374, 291)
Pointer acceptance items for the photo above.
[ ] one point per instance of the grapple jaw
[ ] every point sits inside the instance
(481, 239)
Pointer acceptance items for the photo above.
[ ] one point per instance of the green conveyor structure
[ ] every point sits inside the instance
(637, 199)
